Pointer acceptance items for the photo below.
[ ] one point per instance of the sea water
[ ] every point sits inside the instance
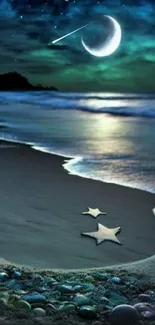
(109, 136)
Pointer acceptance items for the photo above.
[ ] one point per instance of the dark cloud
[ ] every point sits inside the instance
(27, 27)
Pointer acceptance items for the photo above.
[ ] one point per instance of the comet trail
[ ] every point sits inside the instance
(59, 39)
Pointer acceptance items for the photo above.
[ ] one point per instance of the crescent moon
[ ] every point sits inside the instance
(111, 45)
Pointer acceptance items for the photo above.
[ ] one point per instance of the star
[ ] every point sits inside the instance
(94, 212)
(103, 234)
(153, 210)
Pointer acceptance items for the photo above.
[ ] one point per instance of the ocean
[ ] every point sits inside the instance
(108, 136)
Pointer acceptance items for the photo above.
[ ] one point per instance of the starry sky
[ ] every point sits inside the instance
(27, 27)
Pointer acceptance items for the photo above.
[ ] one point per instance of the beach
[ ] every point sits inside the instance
(41, 216)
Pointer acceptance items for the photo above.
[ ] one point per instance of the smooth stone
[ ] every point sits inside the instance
(87, 311)
(153, 299)
(4, 276)
(86, 287)
(65, 297)
(34, 297)
(88, 294)
(148, 315)
(37, 277)
(77, 288)
(104, 300)
(144, 298)
(149, 292)
(3, 302)
(39, 312)
(51, 307)
(16, 274)
(13, 298)
(4, 294)
(115, 298)
(21, 292)
(67, 306)
(53, 284)
(13, 284)
(26, 285)
(80, 300)
(64, 288)
(143, 306)
(21, 304)
(102, 275)
(89, 278)
(115, 279)
(107, 307)
(49, 281)
(41, 289)
(124, 315)
(56, 294)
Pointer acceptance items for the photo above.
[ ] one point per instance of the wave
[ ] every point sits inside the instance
(142, 105)
(84, 167)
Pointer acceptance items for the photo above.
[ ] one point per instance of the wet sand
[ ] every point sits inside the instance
(41, 216)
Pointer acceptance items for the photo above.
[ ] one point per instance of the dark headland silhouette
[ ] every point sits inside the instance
(15, 81)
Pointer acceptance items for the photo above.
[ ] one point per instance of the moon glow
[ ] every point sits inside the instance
(108, 44)
(105, 42)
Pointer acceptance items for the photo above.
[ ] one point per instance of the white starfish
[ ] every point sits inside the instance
(103, 234)
(153, 210)
(94, 212)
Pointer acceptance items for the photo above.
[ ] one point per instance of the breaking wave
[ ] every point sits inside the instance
(103, 103)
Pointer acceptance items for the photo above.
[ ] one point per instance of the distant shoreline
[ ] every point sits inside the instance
(23, 90)
(19, 82)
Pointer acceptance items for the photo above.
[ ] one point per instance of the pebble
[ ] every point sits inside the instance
(87, 311)
(89, 279)
(143, 306)
(92, 297)
(104, 300)
(4, 294)
(39, 312)
(3, 276)
(16, 274)
(67, 306)
(3, 302)
(115, 279)
(34, 297)
(27, 285)
(13, 284)
(124, 315)
(80, 300)
(144, 297)
(64, 288)
(13, 298)
(21, 304)
(149, 315)
(37, 277)
(86, 287)
(41, 289)
(116, 298)
(56, 294)
(146, 310)
(51, 307)
(77, 288)
(102, 275)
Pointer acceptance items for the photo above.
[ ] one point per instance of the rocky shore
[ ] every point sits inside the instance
(96, 298)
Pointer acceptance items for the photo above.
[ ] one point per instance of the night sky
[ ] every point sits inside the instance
(28, 26)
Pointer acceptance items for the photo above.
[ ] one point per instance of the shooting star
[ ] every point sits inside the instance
(59, 39)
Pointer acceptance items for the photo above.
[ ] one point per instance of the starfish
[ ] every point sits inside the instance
(153, 210)
(103, 234)
(94, 212)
